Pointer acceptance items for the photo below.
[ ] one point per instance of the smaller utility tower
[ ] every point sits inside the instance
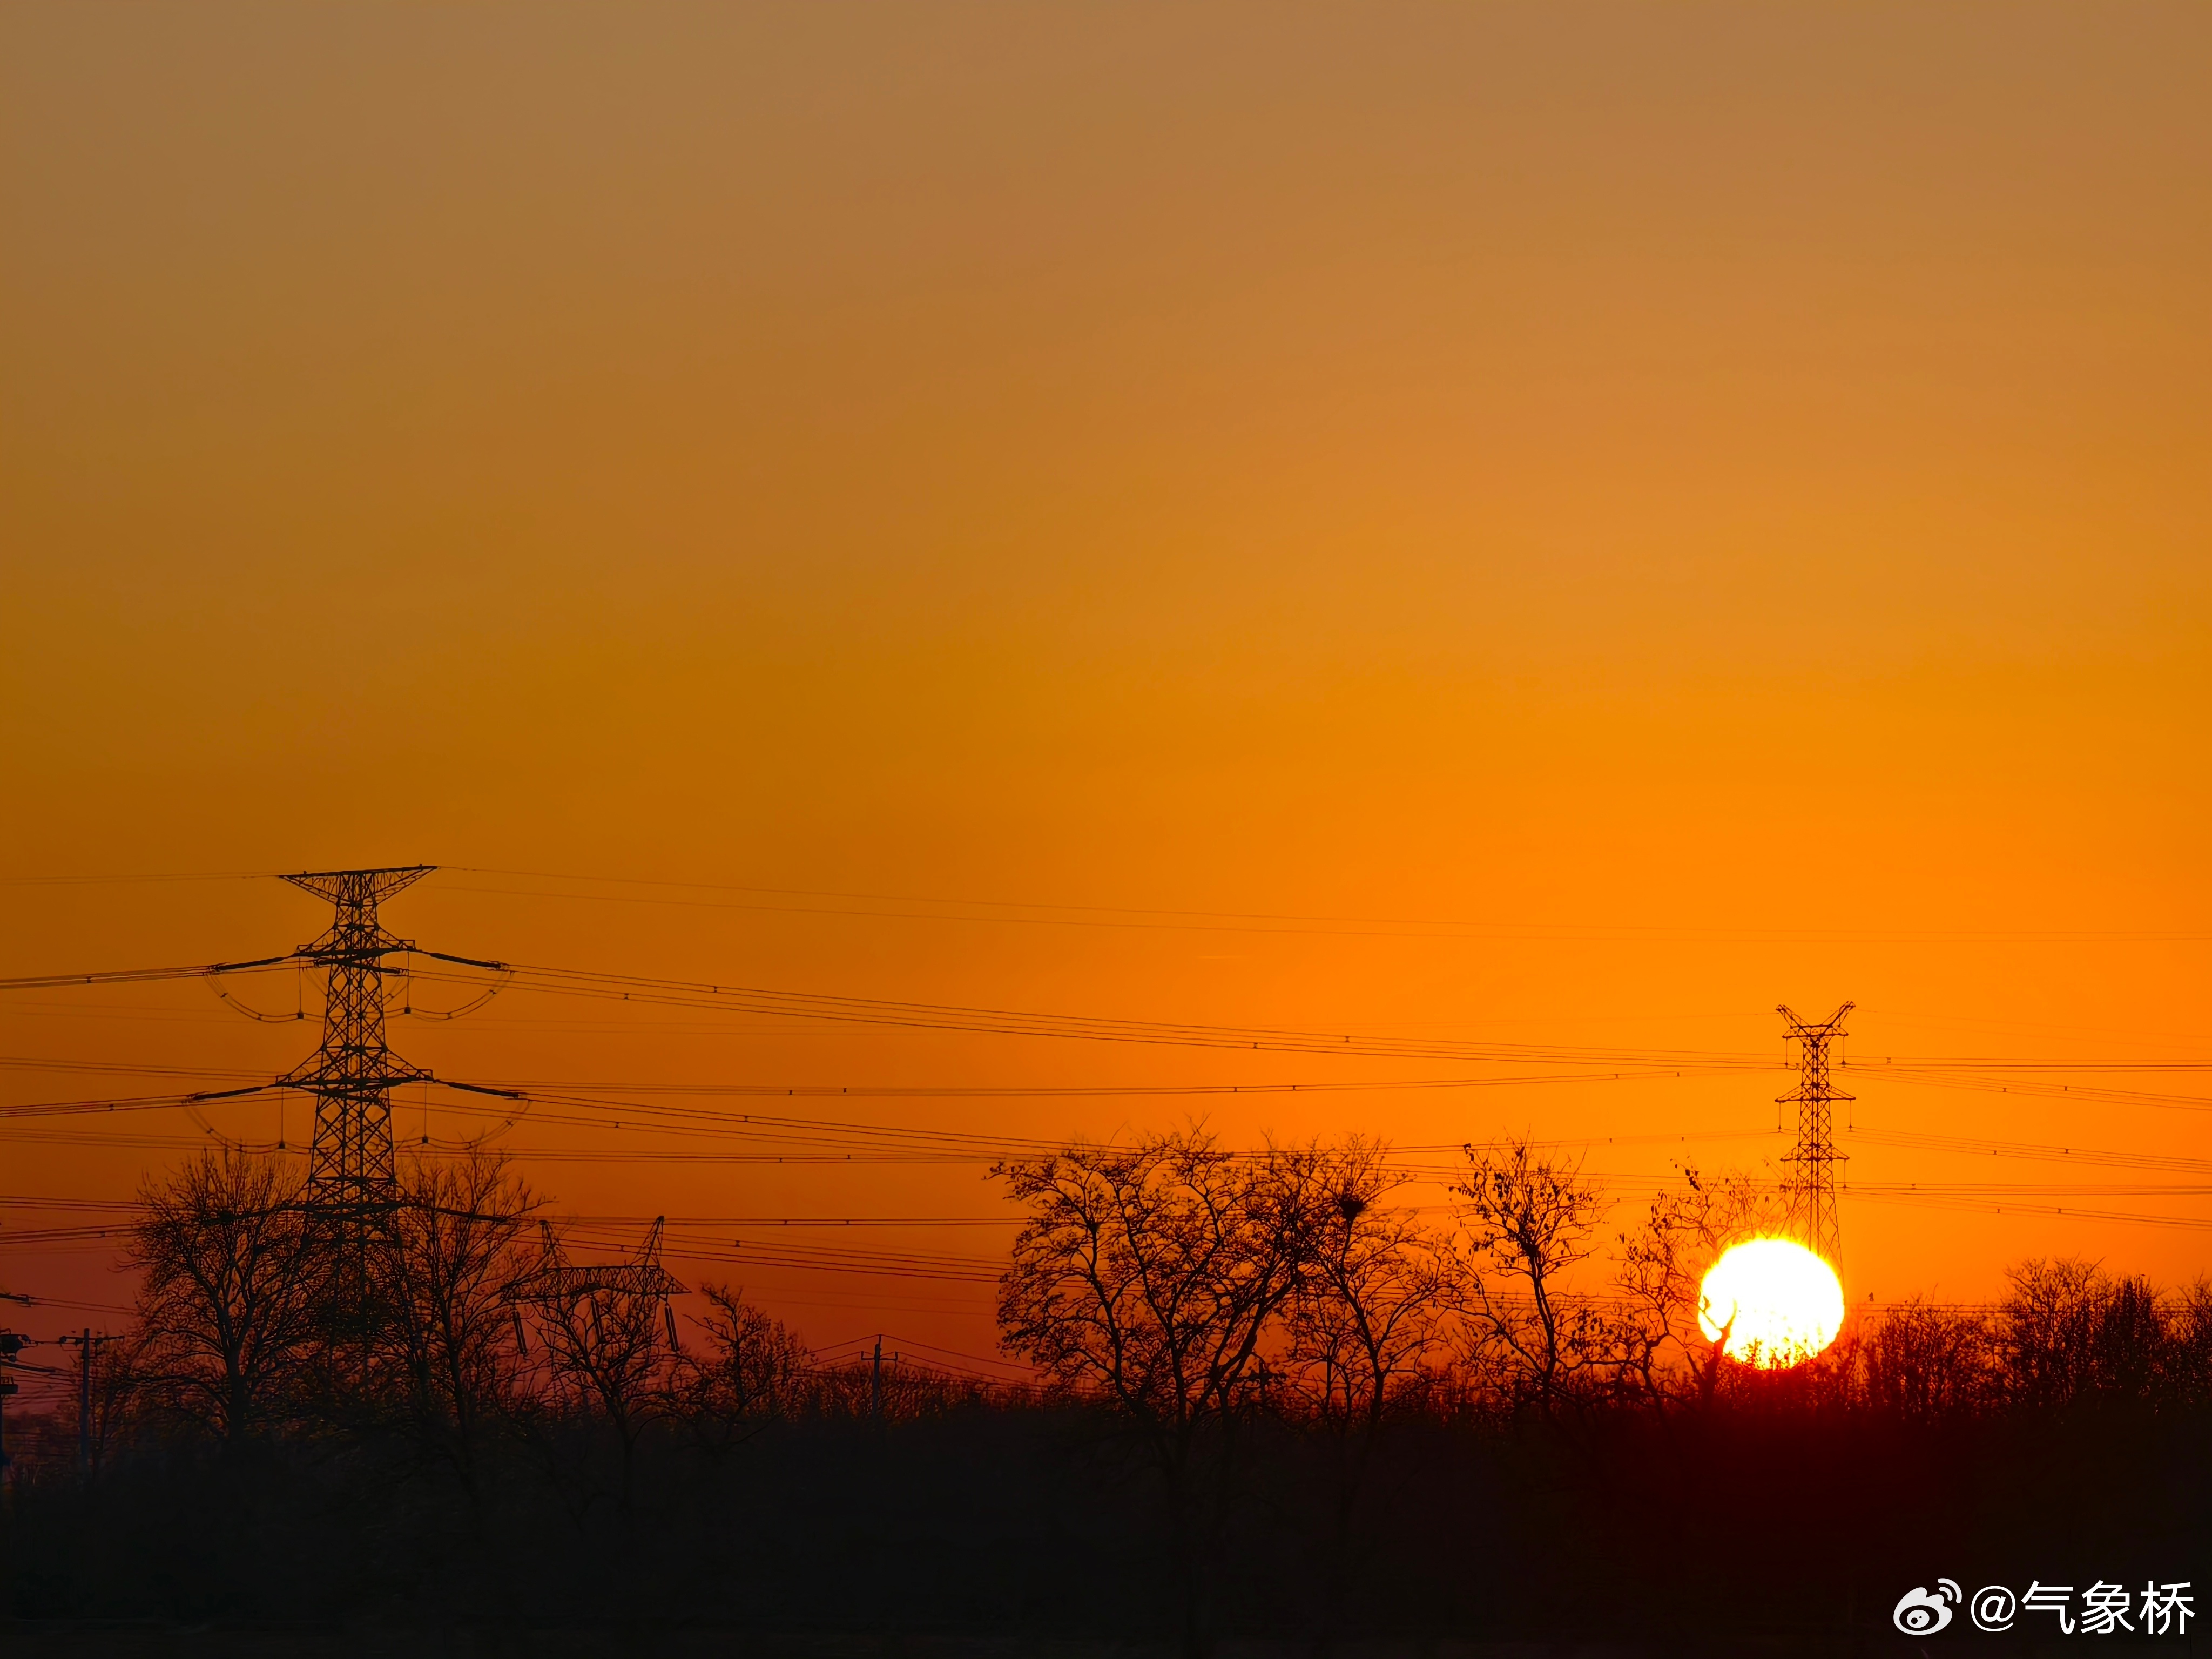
(1809, 1186)
(12, 1343)
(600, 1316)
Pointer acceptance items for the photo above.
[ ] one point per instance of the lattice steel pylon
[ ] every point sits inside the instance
(557, 1280)
(350, 1173)
(1808, 1189)
(600, 1321)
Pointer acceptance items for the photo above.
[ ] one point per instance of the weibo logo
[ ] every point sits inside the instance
(1920, 1613)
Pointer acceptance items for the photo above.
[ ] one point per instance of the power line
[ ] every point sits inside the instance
(1995, 1206)
(94, 881)
(869, 1011)
(136, 976)
(2089, 1093)
(1168, 917)
(353, 1072)
(1171, 917)
(1917, 1140)
(126, 1068)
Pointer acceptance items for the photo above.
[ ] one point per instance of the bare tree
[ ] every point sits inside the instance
(607, 1335)
(754, 1370)
(1361, 1324)
(1148, 1275)
(1363, 1315)
(2128, 1356)
(228, 1302)
(452, 1248)
(115, 1392)
(2048, 1328)
(1660, 1276)
(2071, 1333)
(2188, 1380)
(1929, 1364)
(1528, 1220)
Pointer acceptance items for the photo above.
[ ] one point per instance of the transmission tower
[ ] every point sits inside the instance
(556, 1281)
(351, 1178)
(596, 1312)
(351, 1076)
(1809, 1187)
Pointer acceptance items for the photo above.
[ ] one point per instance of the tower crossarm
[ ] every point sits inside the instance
(359, 887)
(354, 943)
(568, 1282)
(557, 1282)
(1826, 1091)
(357, 1070)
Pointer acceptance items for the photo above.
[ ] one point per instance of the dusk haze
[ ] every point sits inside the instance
(1108, 830)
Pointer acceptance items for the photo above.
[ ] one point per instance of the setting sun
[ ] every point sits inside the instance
(1775, 1302)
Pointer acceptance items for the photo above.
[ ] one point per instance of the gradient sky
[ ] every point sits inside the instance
(1650, 511)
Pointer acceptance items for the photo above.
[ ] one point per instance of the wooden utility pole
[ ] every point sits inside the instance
(85, 1346)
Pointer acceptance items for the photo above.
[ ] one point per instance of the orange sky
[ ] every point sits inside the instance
(1709, 503)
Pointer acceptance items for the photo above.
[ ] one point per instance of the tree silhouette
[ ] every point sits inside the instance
(2188, 1376)
(754, 1370)
(1658, 1345)
(1528, 1220)
(606, 1335)
(452, 1248)
(1928, 1365)
(2129, 1349)
(1148, 1275)
(1361, 1325)
(2048, 1326)
(108, 1404)
(229, 1294)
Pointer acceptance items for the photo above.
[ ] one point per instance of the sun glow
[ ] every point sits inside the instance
(1774, 1302)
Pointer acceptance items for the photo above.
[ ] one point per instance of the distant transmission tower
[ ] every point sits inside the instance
(599, 1319)
(1809, 1187)
(350, 1176)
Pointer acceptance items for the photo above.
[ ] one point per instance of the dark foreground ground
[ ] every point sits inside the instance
(993, 1532)
(154, 1641)
(158, 1641)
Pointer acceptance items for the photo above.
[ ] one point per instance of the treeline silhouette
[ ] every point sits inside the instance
(1270, 1400)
